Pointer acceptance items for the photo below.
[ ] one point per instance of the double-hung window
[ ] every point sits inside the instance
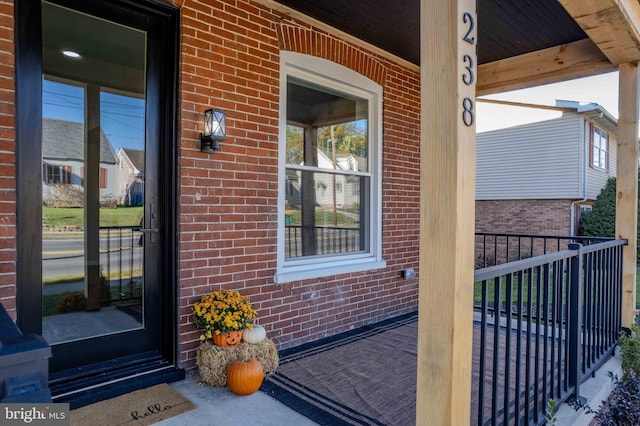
(330, 170)
(55, 174)
(599, 149)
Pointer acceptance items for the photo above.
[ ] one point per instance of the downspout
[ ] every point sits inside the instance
(584, 186)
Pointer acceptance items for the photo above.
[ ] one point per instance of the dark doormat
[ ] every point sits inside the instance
(362, 377)
(139, 408)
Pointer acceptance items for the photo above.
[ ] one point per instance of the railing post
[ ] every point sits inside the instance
(574, 325)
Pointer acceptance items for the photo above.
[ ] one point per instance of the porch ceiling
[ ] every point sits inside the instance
(505, 28)
(520, 43)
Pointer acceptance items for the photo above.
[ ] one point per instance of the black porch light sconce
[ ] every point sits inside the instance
(215, 130)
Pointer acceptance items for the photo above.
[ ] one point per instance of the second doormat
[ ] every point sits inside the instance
(139, 408)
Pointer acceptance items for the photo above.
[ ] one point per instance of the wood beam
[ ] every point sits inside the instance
(613, 25)
(573, 60)
(447, 211)
(627, 184)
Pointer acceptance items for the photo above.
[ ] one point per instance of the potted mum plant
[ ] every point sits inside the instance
(223, 316)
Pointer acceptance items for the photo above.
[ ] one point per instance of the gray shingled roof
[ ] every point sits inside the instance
(64, 140)
(136, 156)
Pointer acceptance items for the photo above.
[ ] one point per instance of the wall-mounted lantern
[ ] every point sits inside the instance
(215, 130)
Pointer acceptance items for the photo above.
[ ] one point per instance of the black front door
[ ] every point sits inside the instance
(95, 263)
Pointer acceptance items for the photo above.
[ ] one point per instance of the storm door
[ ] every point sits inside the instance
(105, 290)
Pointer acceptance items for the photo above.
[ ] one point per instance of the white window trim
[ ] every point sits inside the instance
(329, 74)
(604, 135)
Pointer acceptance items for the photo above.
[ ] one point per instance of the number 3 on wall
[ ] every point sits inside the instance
(468, 77)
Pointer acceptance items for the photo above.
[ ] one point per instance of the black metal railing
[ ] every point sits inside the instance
(326, 240)
(121, 260)
(490, 248)
(543, 325)
(496, 249)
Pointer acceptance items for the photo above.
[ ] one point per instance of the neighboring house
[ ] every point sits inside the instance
(331, 190)
(130, 176)
(63, 155)
(539, 178)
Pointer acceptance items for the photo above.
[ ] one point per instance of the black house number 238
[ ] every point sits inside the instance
(468, 76)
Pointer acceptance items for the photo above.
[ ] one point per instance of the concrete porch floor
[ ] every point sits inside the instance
(218, 406)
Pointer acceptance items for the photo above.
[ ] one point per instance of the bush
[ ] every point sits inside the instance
(65, 195)
(109, 202)
(623, 406)
(72, 303)
(630, 348)
(601, 220)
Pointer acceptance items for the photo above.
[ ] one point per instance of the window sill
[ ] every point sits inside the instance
(326, 269)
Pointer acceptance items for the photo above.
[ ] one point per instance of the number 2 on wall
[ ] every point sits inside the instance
(467, 18)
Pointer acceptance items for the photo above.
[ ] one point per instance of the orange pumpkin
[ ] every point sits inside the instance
(227, 339)
(244, 378)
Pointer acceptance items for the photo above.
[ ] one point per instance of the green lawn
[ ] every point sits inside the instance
(323, 218)
(74, 217)
(477, 291)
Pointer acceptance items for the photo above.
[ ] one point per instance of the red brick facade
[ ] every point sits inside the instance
(538, 217)
(7, 160)
(519, 217)
(228, 200)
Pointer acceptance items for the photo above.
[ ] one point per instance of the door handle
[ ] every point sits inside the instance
(153, 225)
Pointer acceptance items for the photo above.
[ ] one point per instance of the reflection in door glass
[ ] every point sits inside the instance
(93, 186)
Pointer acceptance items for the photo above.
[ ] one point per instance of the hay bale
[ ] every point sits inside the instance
(213, 360)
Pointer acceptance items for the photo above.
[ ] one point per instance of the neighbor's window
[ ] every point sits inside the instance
(330, 196)
(54, 174)
(584, 209)
(599, 148)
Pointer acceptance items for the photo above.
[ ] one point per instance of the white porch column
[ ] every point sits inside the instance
(627, 184)
(447, 211)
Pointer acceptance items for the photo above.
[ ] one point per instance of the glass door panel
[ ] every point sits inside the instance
(93, 189)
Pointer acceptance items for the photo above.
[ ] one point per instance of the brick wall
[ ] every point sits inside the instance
(540, 217)
(7, 161)
(530, 217)
(228, 200)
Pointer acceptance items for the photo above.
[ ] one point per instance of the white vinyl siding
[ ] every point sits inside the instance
(532, 161)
